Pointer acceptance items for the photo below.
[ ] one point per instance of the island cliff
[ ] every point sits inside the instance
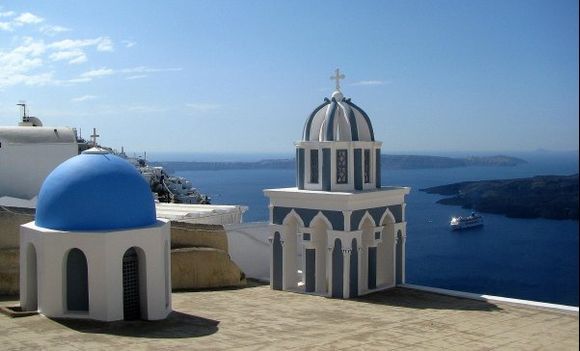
(552, 197)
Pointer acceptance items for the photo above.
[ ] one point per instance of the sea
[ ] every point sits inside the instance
(531, 259)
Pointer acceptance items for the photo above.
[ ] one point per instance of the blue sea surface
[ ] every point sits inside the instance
(533, 259)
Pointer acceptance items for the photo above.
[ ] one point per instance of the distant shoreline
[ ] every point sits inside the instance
(550, 197)
(387, 162)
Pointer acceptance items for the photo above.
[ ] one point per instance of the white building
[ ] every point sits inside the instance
(29, 152)
(96, 249)
(337, 233)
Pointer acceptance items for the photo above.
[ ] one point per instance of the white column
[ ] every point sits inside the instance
(346, 215)
(285, 265)
(403, 250)
(346, 273)
(361, 283)
(271, 244)
(395, 242)
(330, 247)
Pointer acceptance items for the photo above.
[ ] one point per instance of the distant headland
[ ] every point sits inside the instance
(552, 197)
(387, 162)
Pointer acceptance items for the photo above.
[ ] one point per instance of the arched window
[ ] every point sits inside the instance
(77, 281)
(131, 292)
(342, 166)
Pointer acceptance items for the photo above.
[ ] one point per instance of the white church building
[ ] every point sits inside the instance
(28, 153)
(338, 233)
(96, 249)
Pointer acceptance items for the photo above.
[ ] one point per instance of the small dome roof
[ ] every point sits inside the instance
(338, 119)
(95, 191)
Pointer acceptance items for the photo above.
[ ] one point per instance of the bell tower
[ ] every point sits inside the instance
(339, 232)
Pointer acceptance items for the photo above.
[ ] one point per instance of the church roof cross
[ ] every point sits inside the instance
(94, 137)
(337, 77)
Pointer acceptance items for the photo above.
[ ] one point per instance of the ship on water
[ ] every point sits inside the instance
(471, 221)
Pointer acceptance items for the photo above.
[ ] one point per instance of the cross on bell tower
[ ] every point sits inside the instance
(94, 137)
(337, 77)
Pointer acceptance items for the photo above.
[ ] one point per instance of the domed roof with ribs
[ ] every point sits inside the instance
(338, 119)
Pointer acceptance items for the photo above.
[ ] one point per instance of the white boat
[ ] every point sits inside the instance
(458, 223)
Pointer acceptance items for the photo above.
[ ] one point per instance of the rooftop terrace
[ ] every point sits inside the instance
(259, 318)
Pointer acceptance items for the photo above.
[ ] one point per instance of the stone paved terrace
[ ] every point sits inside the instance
(258, 318)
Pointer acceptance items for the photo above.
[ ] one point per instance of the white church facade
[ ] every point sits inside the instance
(28, 154)
(96, 249)
(338, 233)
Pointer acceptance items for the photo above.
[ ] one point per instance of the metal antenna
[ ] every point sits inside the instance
(23, 105)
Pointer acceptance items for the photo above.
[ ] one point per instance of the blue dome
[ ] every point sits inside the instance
(95, 191)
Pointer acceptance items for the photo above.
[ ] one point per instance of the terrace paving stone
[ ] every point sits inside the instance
(258, 318)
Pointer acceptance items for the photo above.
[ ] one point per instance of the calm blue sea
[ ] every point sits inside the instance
(534, 259)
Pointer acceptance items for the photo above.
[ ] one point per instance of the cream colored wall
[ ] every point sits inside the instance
(198, 235)
(10, 221)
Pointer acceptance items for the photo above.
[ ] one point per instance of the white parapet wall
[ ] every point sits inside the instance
(249, 249)
(201, 214)
(492, 298)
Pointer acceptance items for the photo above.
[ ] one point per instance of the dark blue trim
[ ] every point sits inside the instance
(399, 259)
(279, 213)
(337, 269)
(277, 257)
(330, 114)
(300, 168)
(310, 270)
(358, 179)
(376, 213)
(335, 218)
(378, 168)
(326, 171)
(372, 276)
(353, 124)
(366, 117)
(306, 133)
(397, 212)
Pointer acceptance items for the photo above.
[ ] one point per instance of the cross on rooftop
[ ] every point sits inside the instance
(95, 136)
(337, 76)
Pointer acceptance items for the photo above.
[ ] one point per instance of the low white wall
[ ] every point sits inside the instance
(249, 248)
(491, 298)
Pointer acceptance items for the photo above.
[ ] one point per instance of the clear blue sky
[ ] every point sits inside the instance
(242, 76)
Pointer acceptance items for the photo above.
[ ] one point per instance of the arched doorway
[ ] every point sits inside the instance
(77, 281)
(354, 270)
(30, 302)
(131, 289)
(277, 262)
(337, 269)
(399, 259)
(369, 254)
(293, 267)
(316, 268)
(386, 252)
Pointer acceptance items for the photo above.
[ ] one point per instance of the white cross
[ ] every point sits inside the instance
(95, 136)
(337, 76)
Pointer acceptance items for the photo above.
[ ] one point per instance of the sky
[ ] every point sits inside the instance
(243, 76)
